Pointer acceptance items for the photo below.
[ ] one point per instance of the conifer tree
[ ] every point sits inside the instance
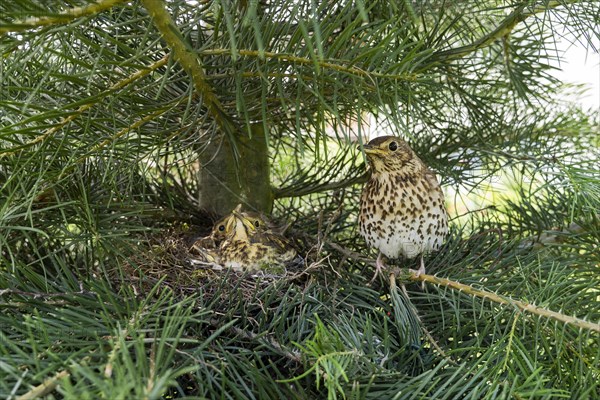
(124, 124)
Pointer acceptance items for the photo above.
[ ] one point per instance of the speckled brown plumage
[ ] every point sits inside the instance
(402, 212)
(264, 232)
(206, 249)
(250, 245)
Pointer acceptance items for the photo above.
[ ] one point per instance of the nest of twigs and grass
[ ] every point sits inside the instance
(167, 261)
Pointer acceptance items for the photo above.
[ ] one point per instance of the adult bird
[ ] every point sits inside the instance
(402, 212)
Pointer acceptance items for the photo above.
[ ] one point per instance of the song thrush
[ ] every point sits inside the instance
(266, 233)
(210, 244)
(218, 232)
(250, 245)
(402, 212)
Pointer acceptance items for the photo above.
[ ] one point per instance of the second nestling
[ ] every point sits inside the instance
(243, 241)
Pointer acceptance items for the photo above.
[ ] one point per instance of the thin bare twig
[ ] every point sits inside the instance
(530, 308)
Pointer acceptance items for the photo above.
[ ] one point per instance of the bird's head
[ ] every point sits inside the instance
(390, 154)
(256, 219)
(246, 223)
(232, 227)
(219, 231)
(236, 228)
(239, 225)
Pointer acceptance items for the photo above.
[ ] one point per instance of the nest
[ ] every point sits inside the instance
(167, 261)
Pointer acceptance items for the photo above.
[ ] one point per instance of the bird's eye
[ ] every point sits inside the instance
(221, 228)
(393, 146)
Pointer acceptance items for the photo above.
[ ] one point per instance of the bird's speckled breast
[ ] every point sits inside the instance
(403, 216)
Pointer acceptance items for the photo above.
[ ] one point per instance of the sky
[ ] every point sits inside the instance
(581, 65)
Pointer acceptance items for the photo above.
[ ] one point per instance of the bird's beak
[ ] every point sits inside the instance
(247, 223)
(237, 212)
(370, 149)
(229, 224)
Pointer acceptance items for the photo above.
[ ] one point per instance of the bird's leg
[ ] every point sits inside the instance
(420, 271)
(379, 265)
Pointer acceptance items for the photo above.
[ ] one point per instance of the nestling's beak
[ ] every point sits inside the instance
(248, 224)
(237, 213)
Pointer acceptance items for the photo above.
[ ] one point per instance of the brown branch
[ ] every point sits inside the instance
(353, 255)
(530, 308)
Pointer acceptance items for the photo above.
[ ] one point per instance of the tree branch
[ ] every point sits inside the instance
(308, 61)
(97, 98)
(530, 308)
(61, 18)
(45, 387)
(188, 61)
(505, 27)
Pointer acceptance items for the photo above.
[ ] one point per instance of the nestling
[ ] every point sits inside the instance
(250, 245)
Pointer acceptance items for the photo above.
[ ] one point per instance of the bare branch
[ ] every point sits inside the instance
(530, 308)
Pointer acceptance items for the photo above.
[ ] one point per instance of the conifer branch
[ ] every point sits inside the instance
(61, 18)
(45, 387)
(280, 193)
(520, 14)
(530, 308)
(308, 61)
(113, 88)
(189, 61)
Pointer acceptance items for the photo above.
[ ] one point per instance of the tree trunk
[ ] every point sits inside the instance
(225, 183)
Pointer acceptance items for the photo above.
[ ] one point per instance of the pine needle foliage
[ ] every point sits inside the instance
(107, 110)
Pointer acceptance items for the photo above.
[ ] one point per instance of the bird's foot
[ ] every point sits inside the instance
(379, 266)
(419, 272)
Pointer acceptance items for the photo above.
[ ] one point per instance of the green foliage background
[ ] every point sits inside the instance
(101, 132)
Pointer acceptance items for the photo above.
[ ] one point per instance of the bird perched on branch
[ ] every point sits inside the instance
(402, 212)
